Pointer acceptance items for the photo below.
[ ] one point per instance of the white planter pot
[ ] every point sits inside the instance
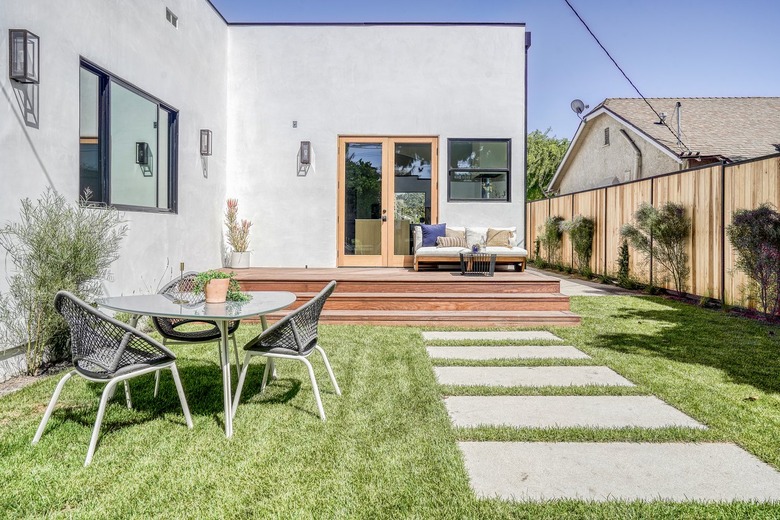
(239, 259)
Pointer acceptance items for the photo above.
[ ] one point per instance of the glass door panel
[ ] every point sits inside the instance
(363, 199)
(412, 163)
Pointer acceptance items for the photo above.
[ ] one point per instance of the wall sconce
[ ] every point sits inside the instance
(205, 142)
(305, 159)
(305, 152)
(23, 53)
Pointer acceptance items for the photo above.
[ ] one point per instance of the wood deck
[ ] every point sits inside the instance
(400, 296)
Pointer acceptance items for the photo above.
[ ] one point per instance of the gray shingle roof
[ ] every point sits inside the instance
(735, 128)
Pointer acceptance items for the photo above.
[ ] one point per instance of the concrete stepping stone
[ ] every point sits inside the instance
(566, 411)
(530, 376)
(536, 471)
(520, 335)
(507, 352)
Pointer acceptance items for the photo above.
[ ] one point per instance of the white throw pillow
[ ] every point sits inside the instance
(475, 236)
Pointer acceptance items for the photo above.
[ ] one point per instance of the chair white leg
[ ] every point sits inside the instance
(314, 386)
(180, 390)
(268, 363)
(330, 370)
(127, 395)
(50, 408)
(235, 352)
(240, 385)
(156, 382)
(107, 391)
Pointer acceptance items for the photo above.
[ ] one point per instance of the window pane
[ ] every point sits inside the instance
(465, 185)
(133, 133)
(162, 152)
(90, 182)
(479, 154)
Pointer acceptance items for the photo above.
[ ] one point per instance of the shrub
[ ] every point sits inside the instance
(55, 245)
(623, 261)
(581, 230)
(755, 236)
(660, 234)
(551, 238)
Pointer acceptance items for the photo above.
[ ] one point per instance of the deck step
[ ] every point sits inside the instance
(447, 318)
(463, 285)
(442, 301)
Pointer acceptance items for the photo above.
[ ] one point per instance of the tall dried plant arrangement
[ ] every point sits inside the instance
(237, 232)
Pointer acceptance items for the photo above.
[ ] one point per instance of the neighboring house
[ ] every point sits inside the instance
(622, 139)
(405, 123)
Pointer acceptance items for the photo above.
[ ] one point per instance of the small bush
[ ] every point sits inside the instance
(623, 261)
(551, 238)
(581, 230)
(755, 236)
(660, 234)
(55, 245)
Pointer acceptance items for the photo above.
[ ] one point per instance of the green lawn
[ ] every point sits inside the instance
(387, 450)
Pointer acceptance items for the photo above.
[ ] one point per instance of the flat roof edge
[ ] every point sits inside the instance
(364, 24)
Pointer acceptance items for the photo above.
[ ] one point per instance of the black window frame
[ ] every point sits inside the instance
(507, 170)
(104, 139)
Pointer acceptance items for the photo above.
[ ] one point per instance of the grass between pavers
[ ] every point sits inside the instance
(388, 449)
(513, 362)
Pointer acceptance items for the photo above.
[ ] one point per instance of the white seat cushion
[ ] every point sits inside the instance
(453, 252)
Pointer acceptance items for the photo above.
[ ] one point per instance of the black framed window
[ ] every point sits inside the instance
(128, 141)
(479, 169)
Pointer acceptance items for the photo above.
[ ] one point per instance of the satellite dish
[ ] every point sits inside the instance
(578, 106)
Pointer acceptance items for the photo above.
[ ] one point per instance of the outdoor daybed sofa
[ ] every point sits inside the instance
(442, 244)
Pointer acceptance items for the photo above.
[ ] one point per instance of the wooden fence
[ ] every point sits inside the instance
(710, 194)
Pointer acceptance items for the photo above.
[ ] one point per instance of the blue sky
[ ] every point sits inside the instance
(669, 48)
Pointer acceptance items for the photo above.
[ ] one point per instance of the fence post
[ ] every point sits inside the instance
(652, 203)
(723, 232)
(605, 231)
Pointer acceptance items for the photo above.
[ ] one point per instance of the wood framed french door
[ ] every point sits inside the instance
(386, 186)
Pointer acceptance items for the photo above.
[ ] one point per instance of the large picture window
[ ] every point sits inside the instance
(127, 144)
(479, 169)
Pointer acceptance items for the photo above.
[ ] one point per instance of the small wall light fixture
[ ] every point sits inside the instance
(23, 53)
(305, 152)
(205, 142)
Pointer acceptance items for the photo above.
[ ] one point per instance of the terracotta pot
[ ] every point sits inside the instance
(239, 259)
(216, 290)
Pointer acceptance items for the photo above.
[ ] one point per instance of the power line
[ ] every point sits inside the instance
(661, 119)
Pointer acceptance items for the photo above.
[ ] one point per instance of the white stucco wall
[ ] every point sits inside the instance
(591, 164)
(378, 80)
(184, 67)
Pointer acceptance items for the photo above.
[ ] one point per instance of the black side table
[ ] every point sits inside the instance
(477, 264)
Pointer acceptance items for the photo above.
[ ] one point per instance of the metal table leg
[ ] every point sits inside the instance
(227, 387)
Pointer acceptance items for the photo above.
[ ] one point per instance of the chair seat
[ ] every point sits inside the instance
(277, 349)
(92, 371)
(168, 328)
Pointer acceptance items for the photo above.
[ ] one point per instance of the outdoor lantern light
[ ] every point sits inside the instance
(305, 152)
(23, 49)
(205, 142)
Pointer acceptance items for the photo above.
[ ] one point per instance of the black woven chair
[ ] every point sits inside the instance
(107, 351)
(182, 289)
(292, 337)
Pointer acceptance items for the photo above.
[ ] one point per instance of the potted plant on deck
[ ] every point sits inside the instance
(237, 236)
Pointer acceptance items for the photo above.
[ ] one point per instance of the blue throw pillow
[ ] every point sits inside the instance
(430, 232)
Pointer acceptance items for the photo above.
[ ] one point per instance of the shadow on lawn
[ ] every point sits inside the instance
(202, 382)
(748, 351)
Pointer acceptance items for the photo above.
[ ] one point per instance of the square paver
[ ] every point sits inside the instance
(507, 352)
(536, 471)
(566, 411)
(530, 376)
(518, 335)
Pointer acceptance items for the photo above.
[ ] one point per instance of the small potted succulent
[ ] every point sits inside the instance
(218, 286)
(237, 236)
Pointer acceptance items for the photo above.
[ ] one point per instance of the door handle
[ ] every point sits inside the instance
(384, 218)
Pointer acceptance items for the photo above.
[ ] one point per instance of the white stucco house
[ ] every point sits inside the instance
(400, 123)
(623, 139)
